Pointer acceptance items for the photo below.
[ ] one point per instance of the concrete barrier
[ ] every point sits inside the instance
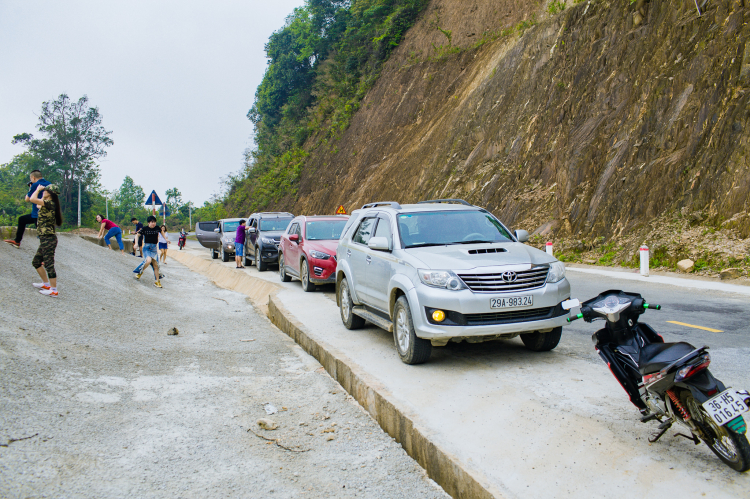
(127, 244)
(440, 465)
(10, 232)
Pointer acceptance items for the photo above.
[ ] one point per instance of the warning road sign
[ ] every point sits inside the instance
(341, 210)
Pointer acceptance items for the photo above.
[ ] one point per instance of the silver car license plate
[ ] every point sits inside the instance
(511, 301)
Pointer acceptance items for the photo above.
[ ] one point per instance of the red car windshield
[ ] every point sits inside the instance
(324, 230)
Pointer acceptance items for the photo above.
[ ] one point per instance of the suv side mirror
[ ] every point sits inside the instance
(522, 236)
(217, 229)
(251, 230)
(379, 244)
(294, 238)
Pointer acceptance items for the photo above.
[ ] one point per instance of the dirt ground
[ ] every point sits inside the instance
(96, 400)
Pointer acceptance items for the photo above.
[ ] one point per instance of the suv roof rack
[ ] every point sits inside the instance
(456, 201)
(275, 213)
(382, 203)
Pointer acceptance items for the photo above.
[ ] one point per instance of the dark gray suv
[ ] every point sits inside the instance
(263, 235)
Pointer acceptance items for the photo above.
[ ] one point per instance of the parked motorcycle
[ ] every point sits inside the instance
(181, 241)
(667, 382)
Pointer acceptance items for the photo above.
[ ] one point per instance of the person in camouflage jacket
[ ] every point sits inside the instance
(50, 215)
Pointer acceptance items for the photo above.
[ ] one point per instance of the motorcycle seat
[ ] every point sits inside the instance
(657, 356)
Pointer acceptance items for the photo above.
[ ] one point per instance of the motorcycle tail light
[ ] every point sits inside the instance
(693, 369)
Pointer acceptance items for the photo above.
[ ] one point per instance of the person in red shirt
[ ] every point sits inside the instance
(112, 230)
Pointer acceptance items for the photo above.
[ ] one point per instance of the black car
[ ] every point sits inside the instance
(263, 235)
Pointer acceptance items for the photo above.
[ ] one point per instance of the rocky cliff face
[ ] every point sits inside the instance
(588, 124)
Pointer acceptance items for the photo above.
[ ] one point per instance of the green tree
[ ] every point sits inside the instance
(73, 138)
(130, 197)
(174, 199)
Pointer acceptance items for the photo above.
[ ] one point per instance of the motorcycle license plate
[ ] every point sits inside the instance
(511, 302)
(725, 407)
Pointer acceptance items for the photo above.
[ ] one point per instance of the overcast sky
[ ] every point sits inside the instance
(173, 80)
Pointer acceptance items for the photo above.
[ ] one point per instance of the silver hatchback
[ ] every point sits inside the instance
(445, 270)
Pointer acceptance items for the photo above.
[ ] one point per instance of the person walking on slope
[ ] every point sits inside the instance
(29, 219)
(138, 226)
(163, 244)
(239, 245)
(112, 230)
(49, 215)
(150, 234)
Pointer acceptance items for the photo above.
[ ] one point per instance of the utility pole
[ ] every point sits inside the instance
(190, 217)
(79, 203)
(106, 206)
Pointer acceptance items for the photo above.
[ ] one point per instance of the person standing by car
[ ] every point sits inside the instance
(150, 235)
(48, 216)
(239, 245)
(137, 241)
(112, 230)
(163, 244)
(31, 218)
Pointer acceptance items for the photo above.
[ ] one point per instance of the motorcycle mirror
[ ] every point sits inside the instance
(572, 303)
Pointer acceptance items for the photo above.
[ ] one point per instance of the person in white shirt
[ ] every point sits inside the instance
(163, 243)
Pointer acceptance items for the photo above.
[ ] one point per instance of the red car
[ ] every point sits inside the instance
(307, 250)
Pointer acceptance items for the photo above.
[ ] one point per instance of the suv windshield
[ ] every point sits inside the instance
(231, 226)
(274, 223)
(324, 230)
(438, 228)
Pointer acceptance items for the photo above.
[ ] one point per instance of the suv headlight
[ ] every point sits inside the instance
(266, 240)
(319, 255)
(556, 272)
(441, 279)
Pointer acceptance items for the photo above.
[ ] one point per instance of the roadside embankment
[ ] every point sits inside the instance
(99, 400)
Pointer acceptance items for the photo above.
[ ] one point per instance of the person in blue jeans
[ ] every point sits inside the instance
(29, 219)
(150, 234)
(112, 230)
(239, 245)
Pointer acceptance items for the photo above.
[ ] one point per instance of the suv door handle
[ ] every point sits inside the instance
(368, 259)
(348, 253)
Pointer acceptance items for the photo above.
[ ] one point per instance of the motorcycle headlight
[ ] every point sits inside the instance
(319, 255)
(441, 279)
(267, 240)
(556, 272)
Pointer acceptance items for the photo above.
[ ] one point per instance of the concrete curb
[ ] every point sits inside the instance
(441, 466)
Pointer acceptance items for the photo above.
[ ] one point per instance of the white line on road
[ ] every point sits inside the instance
(672, 281)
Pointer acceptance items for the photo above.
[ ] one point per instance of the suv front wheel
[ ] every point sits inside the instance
(411, 349)
(259, 263)
(542, 342)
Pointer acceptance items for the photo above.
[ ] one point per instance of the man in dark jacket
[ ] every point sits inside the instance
(30, 219)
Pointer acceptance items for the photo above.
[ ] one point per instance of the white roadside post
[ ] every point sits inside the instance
(549, 248)
(644, 260)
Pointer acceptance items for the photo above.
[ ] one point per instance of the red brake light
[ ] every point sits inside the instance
(688, 371)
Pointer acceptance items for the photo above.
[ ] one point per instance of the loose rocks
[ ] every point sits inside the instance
(686, 265)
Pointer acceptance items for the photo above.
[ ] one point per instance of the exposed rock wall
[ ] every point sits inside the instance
(591, 122)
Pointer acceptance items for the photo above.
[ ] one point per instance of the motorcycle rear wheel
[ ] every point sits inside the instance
(732, 448)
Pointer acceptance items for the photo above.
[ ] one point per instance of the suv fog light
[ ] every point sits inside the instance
(438, 316)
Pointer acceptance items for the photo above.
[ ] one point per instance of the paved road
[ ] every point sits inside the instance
(514, 416)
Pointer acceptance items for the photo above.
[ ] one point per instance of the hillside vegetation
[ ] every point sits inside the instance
(599, 125)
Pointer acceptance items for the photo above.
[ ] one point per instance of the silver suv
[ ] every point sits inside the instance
(445, 270)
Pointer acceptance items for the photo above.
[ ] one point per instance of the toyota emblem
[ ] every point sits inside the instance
(509, 276)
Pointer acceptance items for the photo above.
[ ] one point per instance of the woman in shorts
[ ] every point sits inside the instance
(163, 243)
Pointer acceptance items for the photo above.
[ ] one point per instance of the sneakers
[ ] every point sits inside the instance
(40, 285)
(139, 274)
(156, 283)
(48, 292)
(13, 242)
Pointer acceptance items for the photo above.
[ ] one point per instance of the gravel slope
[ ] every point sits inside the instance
(117, 408)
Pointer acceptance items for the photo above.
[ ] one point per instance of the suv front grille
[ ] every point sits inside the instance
(501, 281)
(535, 314)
